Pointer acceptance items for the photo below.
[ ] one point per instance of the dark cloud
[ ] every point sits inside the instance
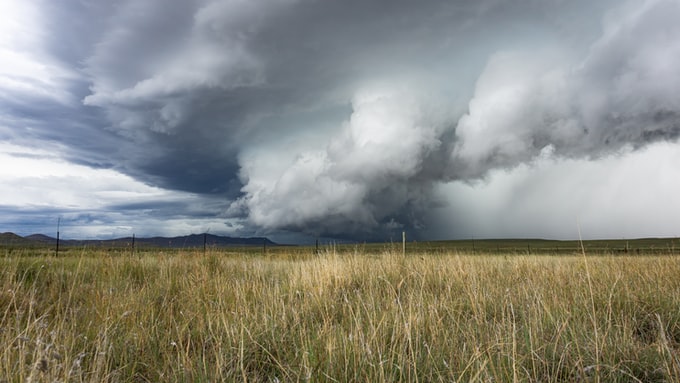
(26, 221)
(342, 118)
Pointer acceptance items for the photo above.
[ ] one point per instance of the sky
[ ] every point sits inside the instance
(352, 120)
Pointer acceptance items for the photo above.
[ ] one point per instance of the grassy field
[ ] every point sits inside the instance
(339, 316)
(641, 246)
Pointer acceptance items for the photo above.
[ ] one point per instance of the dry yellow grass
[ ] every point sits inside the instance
(445, 317)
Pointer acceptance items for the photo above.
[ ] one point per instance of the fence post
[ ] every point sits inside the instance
(57, 250)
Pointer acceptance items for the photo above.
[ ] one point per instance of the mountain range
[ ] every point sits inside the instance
(186, 241)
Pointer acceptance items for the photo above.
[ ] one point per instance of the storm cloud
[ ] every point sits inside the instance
(335, 118)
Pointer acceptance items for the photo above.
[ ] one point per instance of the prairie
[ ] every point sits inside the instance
(351, 316)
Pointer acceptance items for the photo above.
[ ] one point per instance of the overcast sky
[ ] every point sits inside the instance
(347, 119)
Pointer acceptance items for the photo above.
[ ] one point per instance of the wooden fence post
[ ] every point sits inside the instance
(57, 250)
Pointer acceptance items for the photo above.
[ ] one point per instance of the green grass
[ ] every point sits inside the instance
(338, 316)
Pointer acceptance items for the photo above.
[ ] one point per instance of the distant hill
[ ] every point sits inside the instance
(41, 238)
(186, 241)
(13, 239)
